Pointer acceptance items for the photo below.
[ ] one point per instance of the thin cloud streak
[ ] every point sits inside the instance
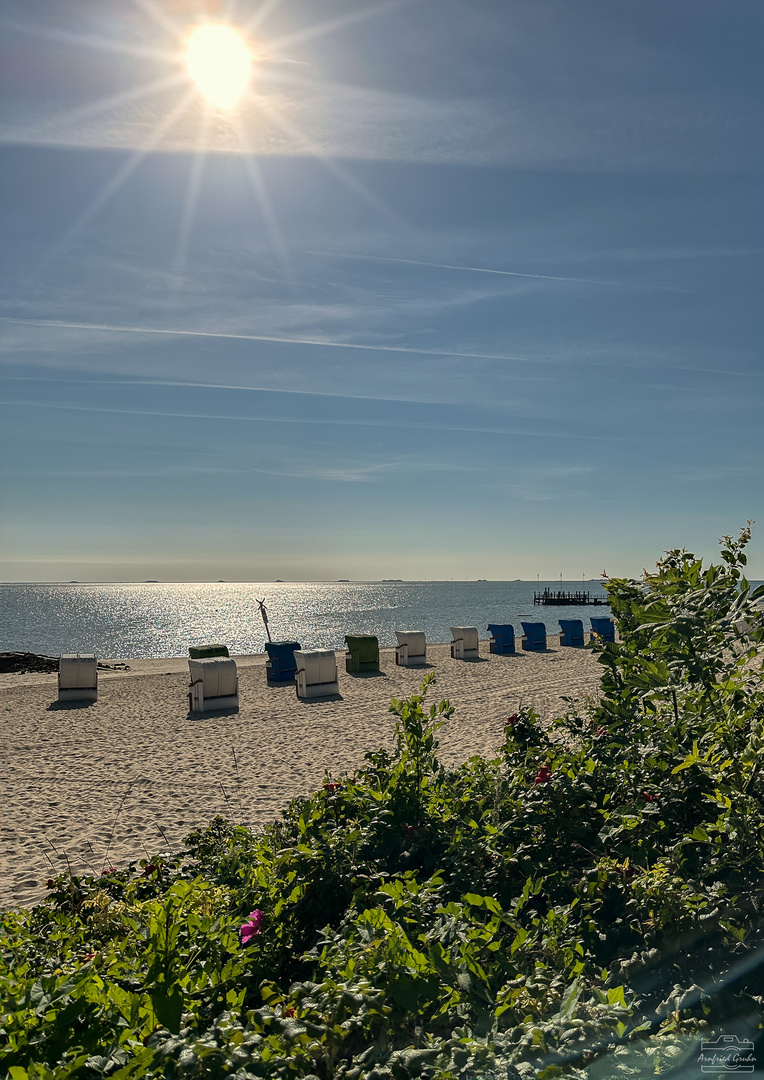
(227, 335)
(319, 421)
(104, 105)
(407, 350)
(455, 266)
(500, 273)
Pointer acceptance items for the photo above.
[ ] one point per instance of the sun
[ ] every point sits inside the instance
(220, 63)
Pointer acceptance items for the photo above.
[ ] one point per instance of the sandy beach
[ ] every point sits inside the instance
(135, 767)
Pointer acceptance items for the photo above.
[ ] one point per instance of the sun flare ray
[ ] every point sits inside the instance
(92, 41)
(332, 165)
(265, 204)
(104, 105)
(117, 180)
(192, 196)
(330, 25)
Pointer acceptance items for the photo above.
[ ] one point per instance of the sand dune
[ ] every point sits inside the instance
(134, 773)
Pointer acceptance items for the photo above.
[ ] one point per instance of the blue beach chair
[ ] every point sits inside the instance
(572, 632)
(281, 665)
(502, 638)
(604, 629)
(534, 636)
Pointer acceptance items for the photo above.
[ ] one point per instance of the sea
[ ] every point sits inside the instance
(156, 619)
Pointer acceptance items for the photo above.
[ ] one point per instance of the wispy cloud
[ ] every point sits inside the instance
(458, 266)
(595, 355)
(542, 483)
(528, 430)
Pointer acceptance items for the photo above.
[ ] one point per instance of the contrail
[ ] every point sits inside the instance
(227, 335)
(500, 273)
(522, 432)
(456, 266)
(409, 350)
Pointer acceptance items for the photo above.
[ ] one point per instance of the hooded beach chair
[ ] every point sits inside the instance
(411, 650)
(502, 638)
(534, 636)
(572, 632)
(316, 674)
(78, 677)
(281, 666)
(604, 629)
(362, 653)
(465, 644)
(214, 684)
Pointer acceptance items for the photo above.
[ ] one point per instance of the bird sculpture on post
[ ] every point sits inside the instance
(264, 614)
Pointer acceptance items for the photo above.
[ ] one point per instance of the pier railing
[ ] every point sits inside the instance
(568, 599)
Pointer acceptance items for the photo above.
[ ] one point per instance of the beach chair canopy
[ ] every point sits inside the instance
(217, 675)
(77, 671)
(362, 652)
(281, 664)
(411, 650)
(283, 651)
(534, 636)
(199, 652)
(502, 637)
(572, 632)
(319, 665)
(415, 639)
(604, 628)
(316, 673)
(467, 634)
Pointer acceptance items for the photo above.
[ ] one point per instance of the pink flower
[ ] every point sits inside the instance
(544, 775)
(331, 787)
(511, 720)
(252, 927)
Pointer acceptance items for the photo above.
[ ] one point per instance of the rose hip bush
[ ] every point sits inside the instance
(586, 904)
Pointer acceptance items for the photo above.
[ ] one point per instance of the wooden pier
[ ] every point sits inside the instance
(568, 599)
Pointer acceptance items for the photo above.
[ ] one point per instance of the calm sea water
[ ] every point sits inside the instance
(153, 620)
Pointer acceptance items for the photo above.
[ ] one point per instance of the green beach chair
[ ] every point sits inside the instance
(362, 653)
(201, 652)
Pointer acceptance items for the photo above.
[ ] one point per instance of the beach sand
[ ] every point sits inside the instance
(133, 773)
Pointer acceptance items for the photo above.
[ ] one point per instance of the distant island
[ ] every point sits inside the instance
(389, 579)
(151, 581)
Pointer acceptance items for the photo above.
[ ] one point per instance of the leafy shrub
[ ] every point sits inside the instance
(585, 904)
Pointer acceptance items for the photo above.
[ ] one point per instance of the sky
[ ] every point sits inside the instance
(456, 290)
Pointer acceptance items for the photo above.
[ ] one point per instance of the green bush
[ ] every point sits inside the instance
(585, 904)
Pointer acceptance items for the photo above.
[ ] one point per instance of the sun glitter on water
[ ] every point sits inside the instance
(220, 63)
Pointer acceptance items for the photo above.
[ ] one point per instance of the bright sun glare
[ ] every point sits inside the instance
(219, 62)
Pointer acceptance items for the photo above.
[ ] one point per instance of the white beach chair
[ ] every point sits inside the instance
(316, 674)
(411, 650)
(78, 677)
(214, 684)
(465, 644)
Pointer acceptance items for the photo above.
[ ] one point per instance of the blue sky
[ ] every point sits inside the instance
(459, 290)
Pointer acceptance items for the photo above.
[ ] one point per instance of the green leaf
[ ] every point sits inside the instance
(168, 1007)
